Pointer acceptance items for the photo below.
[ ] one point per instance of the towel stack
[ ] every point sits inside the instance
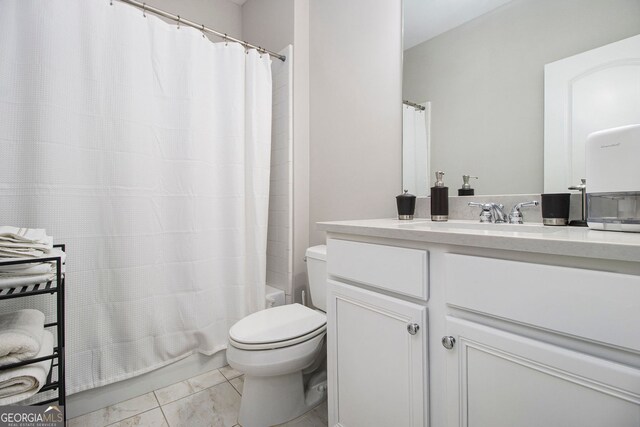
(29, 243)
(23, 337)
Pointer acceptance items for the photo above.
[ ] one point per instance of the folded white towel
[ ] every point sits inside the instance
(20, 383)
(17, 234)
(30, 273)
(26, 269)
(49, 253)
(20, 335)
(44, 246)
(18, 242)
(17, 281)
(21, 253)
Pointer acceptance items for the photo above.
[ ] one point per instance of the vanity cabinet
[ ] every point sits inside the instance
(376, 359)
(522, 372)
(512, 338)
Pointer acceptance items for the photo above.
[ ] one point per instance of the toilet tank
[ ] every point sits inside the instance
(317, 274)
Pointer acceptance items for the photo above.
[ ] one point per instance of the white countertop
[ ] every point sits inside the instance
(568, 241)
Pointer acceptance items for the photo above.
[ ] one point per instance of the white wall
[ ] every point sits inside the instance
(355, 110)
(485, 80)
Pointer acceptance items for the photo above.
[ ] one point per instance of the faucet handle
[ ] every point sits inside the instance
(580, 187)
(515, 216)
(486, 214)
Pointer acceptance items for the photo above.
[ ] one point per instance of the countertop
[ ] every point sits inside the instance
(571, 241)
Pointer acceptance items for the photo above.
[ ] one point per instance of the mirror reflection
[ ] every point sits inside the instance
(479, 66)
(415, 147)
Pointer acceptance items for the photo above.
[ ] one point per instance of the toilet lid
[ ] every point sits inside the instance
(275, 324)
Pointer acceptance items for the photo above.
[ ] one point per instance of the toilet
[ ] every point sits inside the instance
(282, 353)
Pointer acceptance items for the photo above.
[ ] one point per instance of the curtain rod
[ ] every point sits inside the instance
(414, 105)
(180, 20)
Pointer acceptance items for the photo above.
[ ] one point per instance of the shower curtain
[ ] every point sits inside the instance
(145, 148)
(415, 150)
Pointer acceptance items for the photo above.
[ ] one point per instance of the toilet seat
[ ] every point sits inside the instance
(277, 327)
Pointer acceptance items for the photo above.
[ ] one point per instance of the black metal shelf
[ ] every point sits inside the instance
(49, 287)
(53, 286)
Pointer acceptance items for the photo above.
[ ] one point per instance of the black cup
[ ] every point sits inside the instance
(406, 205)
(555, 208)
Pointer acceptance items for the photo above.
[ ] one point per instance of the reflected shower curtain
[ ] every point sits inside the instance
(145, 148)
(415, 162)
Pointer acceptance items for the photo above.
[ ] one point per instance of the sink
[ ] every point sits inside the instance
(462, 225)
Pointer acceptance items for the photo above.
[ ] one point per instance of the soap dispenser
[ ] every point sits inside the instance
(439, 199)
(466, 189)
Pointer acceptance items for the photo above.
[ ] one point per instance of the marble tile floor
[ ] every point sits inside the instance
(211, 399)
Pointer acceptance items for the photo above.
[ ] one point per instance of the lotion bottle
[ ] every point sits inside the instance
(439, 199)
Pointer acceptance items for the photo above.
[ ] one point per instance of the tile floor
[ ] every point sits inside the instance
(211, 399)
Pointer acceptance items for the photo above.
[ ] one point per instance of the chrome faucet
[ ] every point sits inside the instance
(498, 213)
(515, 216)
(494, 212)
(491, 212)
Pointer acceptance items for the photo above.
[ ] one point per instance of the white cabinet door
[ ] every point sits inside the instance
(377, 366)
(499, 379)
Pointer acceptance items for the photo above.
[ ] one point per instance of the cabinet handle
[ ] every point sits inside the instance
(413, 328)
(448, 342)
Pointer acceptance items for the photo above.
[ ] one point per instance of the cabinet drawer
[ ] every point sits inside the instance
(595, 305)
(401, 270)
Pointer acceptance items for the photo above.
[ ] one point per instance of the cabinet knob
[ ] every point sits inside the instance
(413, 328)
(448, 342)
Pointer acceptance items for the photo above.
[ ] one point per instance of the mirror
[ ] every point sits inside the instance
(479, 65)
(594, 90)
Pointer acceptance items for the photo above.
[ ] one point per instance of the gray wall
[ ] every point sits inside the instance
(268, 23)
(274, 24)
(220, 15)
(485, 80)
(355, 114)
(300, 145)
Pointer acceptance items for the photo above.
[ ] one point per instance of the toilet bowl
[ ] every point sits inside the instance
(282, 353)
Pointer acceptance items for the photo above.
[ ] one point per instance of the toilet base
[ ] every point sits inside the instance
(267, 401)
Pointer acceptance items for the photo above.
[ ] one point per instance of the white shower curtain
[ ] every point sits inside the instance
(145, 148)
(415, 150)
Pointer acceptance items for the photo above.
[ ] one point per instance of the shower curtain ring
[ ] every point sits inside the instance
(203, 36)
(226, 41)
(144, 6)
(178, 21)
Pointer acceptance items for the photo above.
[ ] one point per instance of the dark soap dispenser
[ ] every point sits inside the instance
(466, 189)
(439, 199)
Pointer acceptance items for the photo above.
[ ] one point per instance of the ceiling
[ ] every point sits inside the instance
(239, 2)
(425, 19)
